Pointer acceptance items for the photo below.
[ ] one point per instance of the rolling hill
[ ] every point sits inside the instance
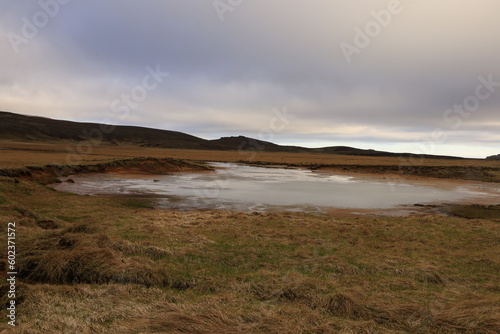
(16, 127)
(31, 128)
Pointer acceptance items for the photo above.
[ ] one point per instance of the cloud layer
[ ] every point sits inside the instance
(227, 76)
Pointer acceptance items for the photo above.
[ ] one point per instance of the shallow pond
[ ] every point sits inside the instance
(248, 188)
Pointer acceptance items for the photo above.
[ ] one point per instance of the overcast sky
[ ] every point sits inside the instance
(419, 76)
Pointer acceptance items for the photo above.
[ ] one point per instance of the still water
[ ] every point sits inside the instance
(248, 188)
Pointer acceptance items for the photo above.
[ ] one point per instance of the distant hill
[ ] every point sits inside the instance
(494, 157)
(32, 128)
(249, 144)
(346, 150)
(18, 127)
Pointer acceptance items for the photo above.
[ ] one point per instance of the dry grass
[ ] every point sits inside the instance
(20, 154)
(101, 265)
(38, 154)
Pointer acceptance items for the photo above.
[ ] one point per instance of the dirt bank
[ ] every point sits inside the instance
(473, 173)
(149, 166)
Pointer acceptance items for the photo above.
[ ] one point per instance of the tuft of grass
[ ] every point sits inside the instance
(474, 211)
(71, 219)
(137, 204)
(3, 200)
(100, 266)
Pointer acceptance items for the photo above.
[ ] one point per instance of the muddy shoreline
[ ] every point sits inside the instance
(50, 174)
(470, 173)
(143, 170)
(138, 166)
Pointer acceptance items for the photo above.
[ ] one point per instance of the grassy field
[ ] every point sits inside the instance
(114, 265)
(20, 154)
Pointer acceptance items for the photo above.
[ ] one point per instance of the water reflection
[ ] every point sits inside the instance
(248, 188)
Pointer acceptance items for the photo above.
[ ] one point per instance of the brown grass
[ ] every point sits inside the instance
(21, 154)
(98, 265)
(38, 154)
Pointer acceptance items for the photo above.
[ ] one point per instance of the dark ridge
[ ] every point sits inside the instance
(243, 143)
(32, 128)
(18, 127)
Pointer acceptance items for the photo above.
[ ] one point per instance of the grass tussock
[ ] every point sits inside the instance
(48, 224)
(430, 274)
(71, 258)
(130, 248)
(344, 306)
(474, 211)
(96, 265)
(472, 314)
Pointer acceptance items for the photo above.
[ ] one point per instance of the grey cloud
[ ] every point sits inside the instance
(226, 77)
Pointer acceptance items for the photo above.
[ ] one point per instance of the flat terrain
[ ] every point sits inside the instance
(114, 265)
(20, 154)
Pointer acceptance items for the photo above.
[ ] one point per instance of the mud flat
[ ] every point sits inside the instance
(244, 188)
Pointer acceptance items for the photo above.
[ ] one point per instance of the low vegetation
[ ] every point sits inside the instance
(113, 265)
(152, 166)
(491, 212)
(15, 155)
